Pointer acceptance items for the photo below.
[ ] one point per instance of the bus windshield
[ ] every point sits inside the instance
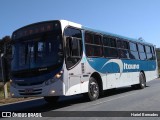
(38, 52)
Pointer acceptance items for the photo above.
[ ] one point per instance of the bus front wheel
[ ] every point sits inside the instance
(51, 99)
(93, 89)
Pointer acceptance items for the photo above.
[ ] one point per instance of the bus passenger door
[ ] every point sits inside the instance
(74, 82)
(73, 58)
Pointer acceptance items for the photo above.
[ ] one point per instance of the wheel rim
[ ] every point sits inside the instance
(94, 90)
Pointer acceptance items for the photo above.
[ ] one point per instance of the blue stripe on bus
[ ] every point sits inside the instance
(104, 65)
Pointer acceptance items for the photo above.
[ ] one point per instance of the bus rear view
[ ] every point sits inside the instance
(37, 60)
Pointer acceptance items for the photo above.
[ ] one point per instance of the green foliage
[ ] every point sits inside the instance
(5, 45)
(6, 48)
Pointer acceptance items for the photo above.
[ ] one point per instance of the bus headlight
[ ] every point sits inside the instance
(55, 78)
(59, 75)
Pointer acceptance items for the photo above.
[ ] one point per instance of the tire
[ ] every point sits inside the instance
(142, 81)
(93, 90)
(51, 99)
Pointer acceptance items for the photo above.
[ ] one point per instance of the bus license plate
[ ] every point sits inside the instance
(29, 90)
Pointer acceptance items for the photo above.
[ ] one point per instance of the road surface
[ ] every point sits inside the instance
(121, 99)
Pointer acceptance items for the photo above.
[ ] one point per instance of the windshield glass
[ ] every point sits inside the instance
(37, 53)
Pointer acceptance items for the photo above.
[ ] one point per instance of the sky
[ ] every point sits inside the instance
(130, 18)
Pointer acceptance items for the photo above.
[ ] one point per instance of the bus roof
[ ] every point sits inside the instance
(90, 29)
(116, 35)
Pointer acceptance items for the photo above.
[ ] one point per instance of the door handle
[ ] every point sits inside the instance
(71, 74)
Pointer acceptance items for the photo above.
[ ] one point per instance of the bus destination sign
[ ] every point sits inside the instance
(34, 29)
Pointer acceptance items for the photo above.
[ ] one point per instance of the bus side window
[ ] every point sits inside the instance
(142, 53)
(93, 44)
(123, 49)
(88, 37)
(133, 53)
(153, 53)
(109, 45)
(73, 46)
(74, 50)
(148, 52)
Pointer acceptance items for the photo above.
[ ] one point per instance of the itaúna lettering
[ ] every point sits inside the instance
(131, 66)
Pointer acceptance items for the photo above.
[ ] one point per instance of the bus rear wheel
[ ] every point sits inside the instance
(142, 81)
(93, 89)
(51, 99)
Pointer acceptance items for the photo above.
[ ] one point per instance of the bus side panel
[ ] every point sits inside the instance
(150, 75)
(72, 81)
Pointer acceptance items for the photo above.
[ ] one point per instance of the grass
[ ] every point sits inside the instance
(1, 91)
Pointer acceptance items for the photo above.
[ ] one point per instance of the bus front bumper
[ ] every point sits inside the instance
(54, 89)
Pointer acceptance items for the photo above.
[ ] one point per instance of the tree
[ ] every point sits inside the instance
(6, 49)
(157, 49)
(6, 42)
(1, 46)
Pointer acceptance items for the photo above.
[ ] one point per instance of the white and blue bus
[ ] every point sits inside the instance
(62, 58)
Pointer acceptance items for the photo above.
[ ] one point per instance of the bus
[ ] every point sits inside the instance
(62, 58)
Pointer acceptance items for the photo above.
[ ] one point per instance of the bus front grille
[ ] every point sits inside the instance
(29, 84)
(30, 91)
